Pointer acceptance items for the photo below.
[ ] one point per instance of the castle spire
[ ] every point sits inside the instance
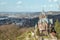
(43, 12)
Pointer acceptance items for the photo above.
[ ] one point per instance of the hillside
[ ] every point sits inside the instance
(11, 32)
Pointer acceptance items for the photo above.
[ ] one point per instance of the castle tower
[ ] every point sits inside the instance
(42, 23)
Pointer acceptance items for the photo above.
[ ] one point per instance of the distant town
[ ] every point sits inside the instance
(27, 19)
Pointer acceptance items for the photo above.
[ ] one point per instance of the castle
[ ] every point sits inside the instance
(44, 24)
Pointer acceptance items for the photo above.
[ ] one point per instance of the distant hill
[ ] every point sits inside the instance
(27, 14)
(27, 19)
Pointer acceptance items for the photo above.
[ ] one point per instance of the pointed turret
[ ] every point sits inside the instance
(43, 22)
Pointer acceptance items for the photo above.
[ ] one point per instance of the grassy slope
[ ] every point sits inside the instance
(12, 32)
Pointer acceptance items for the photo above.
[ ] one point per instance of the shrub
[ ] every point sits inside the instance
(57, 28)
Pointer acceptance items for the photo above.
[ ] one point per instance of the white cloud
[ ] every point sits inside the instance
(18, 6)
(44, 6)
(3, 3)
(57, 6)
(51, 6)
(52, 0)
(55, 0)
(47, 6)
(19, 2)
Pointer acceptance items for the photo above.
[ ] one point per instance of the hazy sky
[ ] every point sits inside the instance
(28, 5)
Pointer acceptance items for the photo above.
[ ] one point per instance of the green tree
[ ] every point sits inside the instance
(57, 28)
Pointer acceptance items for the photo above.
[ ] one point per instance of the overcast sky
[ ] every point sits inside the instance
(28, 5)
